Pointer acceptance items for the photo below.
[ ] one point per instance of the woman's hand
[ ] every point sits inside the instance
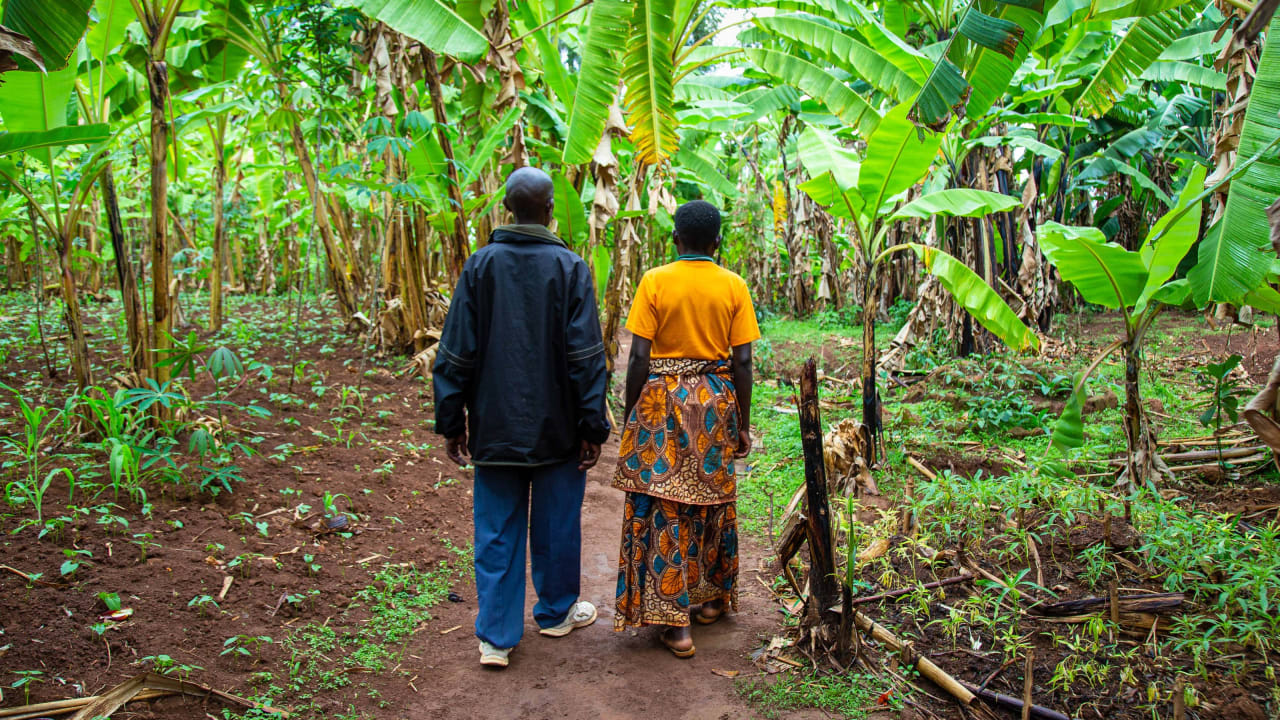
(744, 443)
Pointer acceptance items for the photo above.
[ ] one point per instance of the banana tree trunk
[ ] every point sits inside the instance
(161, 262)
(339, 278)
(871, 424)
(81, 368)
(1142, 460)
(134, 312)
(626, 241)
(219, 236)
(457, 248)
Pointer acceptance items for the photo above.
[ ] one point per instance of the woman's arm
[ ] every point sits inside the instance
(742, 382)
(637, 371)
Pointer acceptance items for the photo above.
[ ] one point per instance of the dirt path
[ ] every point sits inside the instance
(594, 672)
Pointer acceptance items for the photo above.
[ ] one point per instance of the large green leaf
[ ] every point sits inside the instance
(54, 26)
(1235, 262)
(648, 70)
(977, 297)
(821, 85)
(105, 35)
(898, 156)
(35, 101)
(475, 161)
(956, 202)
(602, 50)
(571, 218)
(1068, 431)
(705, 172)
(430, 22)
(67, 135)
(1104, 273)
(1185, 72)
(841, 50)
(1173, 235)
(820, 152)
(1139, 47)
(548, 55)
(227, 23)
(990, 43)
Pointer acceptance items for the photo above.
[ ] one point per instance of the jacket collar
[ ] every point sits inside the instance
(525, 233)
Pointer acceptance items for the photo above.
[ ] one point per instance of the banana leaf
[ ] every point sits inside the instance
(1185, 72)
(1104, 273)
(1068, 431)
(1172, 236)
(602, 49)
(843, 51)
(898, 155)
(648, 71)
(956, 202)
(1235, 262)
(571, 217)
(991, 40)
(821, 152)
(705, 172)
(53, 26)
(1144, 41)
(976, 296)
(821, 85)
(67, 135)
(430, 22)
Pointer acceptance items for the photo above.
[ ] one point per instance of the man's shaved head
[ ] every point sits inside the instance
(530, 194)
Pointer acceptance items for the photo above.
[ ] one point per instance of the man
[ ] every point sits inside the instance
(521, 358)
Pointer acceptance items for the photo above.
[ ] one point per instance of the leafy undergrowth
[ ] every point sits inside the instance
(244, 541)
(853, 696)
(981, 424)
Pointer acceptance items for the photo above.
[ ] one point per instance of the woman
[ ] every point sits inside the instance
(688, 417)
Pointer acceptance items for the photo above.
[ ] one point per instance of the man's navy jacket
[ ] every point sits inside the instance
(521, 353)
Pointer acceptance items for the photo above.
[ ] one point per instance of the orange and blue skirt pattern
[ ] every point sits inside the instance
(679, 439)
(679, 525)
(674, 555)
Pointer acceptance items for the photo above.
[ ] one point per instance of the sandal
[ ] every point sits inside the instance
(682, 654)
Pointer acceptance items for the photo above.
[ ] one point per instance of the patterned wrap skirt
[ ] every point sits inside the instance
(680, 529)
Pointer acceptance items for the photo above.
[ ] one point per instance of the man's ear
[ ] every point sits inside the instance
(506, 203)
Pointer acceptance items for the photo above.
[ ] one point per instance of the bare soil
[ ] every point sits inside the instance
(404, 517)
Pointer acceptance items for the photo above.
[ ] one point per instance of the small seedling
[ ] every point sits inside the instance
(204, 604)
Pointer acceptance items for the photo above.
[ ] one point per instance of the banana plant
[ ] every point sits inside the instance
(1140, 284)
(866, 191)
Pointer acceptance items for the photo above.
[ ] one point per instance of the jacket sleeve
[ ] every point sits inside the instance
(453, 373)
(585, 349)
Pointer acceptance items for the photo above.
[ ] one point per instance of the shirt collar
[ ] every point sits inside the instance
(528, 232)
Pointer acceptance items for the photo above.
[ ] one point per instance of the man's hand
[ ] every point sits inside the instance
(456, 449)
(744, 443)
(588, 456)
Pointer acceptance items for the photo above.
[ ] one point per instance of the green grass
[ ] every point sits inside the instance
(852, 696)
(1229, 571)
(324, 657)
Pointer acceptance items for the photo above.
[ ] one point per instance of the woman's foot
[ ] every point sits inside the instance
(679, 640)
(709, 612)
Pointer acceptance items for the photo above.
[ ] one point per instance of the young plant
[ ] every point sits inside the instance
(1140, 285)
(864, 190)
(1225, 393)
(204, 605)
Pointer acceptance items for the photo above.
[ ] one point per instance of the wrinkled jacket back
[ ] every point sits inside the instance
(521, 354)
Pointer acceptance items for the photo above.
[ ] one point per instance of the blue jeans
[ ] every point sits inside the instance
(504, 516)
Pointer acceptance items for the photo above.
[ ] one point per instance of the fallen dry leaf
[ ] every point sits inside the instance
(725, 673)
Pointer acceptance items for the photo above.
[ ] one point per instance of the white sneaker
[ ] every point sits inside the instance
(493, 656)
(580, 615)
